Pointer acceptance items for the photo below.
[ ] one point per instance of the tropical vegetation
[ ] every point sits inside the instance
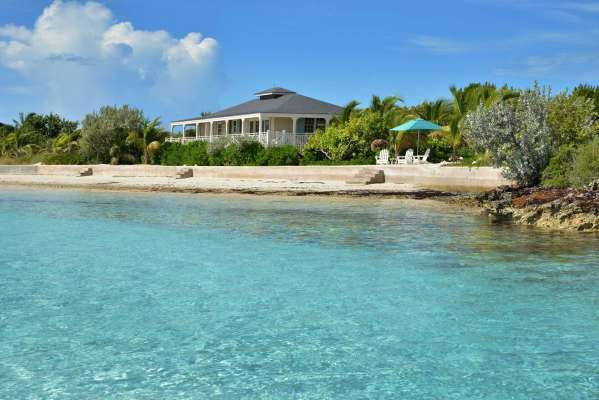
(536, 137)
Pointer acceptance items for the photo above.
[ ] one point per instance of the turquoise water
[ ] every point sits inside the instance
(149, 296)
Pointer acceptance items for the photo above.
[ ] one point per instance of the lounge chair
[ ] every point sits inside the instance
(383, 157)
(423, 158)
(407, 159)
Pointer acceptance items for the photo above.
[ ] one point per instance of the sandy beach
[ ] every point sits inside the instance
(216, 185)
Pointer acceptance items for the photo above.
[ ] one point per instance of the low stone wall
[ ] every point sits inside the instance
(449, 178)
(97, 170)
(431, 176)
(302, 173)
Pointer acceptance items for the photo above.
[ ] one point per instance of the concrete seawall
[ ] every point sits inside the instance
(431, 176)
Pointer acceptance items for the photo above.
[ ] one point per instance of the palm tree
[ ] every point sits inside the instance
(350, 109)
(149, 134)
(387, 108)
(438, 111)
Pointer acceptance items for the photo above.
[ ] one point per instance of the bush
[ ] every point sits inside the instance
(195, 153)
(516, 134)
(227, 151)
(573, 119)
(68, 158)
(246, 152)
(557, 173)
(111, 126)
(353, 161)
(585, 168)
(281, 155)
(441, 150)
(351, 139)
(573, 167)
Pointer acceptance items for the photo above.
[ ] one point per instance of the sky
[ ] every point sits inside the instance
(178, 58)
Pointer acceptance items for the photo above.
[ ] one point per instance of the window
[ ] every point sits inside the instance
(320, 124)
(219, 128)
(308, 125)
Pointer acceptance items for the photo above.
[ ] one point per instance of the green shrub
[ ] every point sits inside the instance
(195, 153)
(585, 168)
(441, 150)
(353, 161)
(573, 167)
(67, 158)
(281, 155)
(229, 151)
(246, 152)
(348, 140)
(557, 173)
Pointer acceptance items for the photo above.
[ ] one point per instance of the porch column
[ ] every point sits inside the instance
(172, 129)
(294, 125)
(243, 126)
(226, 127)
(197, 130)
(327, 121)
(259, 123)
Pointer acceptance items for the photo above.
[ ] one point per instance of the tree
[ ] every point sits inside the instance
(438, 111)
(386, 108)
(467, 99)
(349, 140)
(517, 134)
(105, 134)
(349, 109)
(573, 119)
(150, 133)
(45, 126)
(588, 92)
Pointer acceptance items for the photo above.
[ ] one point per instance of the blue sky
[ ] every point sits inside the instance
(178, 58)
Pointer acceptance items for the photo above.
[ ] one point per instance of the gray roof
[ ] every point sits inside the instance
(282, 101)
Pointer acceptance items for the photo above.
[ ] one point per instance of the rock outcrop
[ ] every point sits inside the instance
(565, 209)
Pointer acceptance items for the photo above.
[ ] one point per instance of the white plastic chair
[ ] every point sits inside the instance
(407, 159)
(383, 157)
(422, 159)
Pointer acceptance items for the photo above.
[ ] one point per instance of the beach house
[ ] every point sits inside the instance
(277, 116)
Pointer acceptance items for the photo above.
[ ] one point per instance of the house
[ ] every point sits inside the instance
(278, 116)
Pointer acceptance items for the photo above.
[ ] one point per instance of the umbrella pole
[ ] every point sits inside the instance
(418, 145)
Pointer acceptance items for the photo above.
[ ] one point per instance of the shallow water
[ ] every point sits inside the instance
(152, 296)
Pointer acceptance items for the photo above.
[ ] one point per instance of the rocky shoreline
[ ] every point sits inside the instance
(560, 209)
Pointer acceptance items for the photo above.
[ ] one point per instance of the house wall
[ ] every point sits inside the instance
(283, 124)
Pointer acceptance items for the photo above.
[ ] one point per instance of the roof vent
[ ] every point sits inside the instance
(273, 93)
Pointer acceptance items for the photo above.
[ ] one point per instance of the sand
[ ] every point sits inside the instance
(213, 185)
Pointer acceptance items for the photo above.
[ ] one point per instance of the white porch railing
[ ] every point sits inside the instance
(267, 139)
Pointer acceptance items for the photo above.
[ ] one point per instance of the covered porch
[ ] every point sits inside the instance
(268, 129)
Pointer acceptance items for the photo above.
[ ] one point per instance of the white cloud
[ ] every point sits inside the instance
(76, 57)
(547, 66)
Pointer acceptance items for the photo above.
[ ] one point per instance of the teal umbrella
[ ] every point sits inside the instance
(417, 125)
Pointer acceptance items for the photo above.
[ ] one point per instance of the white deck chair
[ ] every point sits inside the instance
(423, 159)
(383, 157)
(407, 159)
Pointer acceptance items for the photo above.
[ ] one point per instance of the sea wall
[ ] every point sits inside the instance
(432, 176)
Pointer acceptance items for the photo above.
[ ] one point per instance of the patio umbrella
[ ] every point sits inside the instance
(417, 125)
